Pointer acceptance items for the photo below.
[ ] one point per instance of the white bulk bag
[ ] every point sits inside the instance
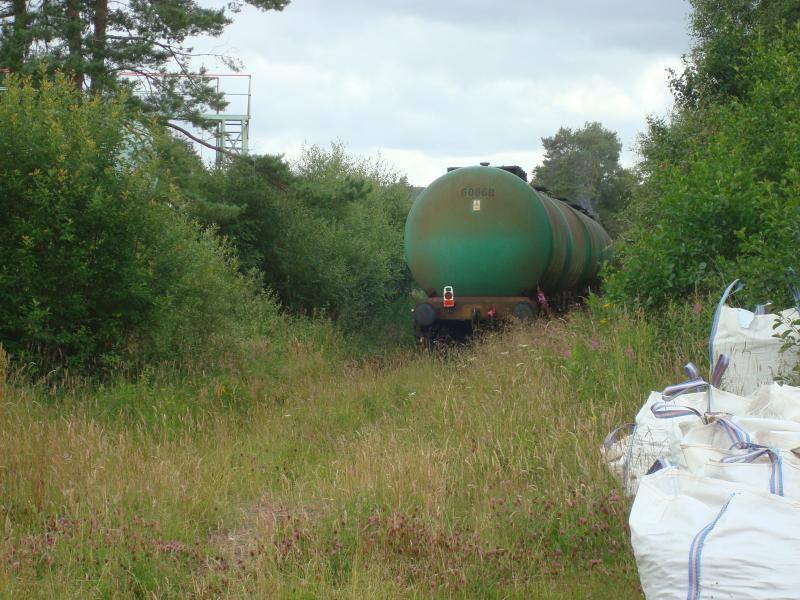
(699, 538)
(748, 339)
(723, 449)
(776, 471)
(655, 436)
(657, 430)
(658, 436)
(776, 401)
(773, 433)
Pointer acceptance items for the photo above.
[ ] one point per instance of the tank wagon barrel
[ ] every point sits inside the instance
(495, 243)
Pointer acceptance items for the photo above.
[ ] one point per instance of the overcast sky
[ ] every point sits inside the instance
(434, 83)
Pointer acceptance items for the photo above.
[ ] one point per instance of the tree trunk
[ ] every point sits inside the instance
(98, 73)
(20, 42)
(74, 33)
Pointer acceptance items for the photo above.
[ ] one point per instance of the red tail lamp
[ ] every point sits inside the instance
(449, 299)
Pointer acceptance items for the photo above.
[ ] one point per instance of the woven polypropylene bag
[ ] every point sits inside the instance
(654, 438)
(749, 340)
(697, 537)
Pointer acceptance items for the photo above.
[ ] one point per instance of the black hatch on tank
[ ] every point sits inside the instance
(514, 169)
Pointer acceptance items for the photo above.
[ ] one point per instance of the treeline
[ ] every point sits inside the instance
(120, 248)
(719, 192)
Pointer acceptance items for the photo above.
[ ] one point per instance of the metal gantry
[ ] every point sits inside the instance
(233, 129)
(231, 132)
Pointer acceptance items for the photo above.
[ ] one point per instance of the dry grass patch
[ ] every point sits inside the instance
(473, 474)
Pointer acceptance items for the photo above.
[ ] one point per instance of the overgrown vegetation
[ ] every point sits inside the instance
(101, 266)
(106, 263)
(722, 33)
(326, 233)
(470, 474)
(720, 197)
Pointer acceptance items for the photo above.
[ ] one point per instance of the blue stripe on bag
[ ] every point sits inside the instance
(738, 436)
(731, 289)
(696, 550)
(671, 411)
(692, 385)
(776, 478)
(695, 383)
(776, 469)
(612, 437)
(663, 410)
(691, 370)
(723, 362)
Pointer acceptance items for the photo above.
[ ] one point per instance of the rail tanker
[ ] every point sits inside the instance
(485, 245)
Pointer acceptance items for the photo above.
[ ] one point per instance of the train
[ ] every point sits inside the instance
(485, 245)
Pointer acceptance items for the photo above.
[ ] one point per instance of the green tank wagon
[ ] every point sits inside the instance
(483, 244)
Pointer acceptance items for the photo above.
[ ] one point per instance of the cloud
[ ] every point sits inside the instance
(431, 83)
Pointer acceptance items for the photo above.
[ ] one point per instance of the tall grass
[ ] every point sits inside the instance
(472, 472)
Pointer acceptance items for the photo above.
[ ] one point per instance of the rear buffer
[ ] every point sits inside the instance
(449, 312)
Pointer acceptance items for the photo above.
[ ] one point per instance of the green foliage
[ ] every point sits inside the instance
(99, 265)
(245, 201)
(722, 192)
(326, 235)
(723, 32)
(202, 306)
(578, 162)
(95, 41)
(790, 337)
(584, 164)
(354, 265)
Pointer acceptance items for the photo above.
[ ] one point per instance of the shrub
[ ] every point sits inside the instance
(352, 264)
(326, 235)
(98, 264)
(722, 193)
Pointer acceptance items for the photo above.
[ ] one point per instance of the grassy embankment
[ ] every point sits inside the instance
(304, 473)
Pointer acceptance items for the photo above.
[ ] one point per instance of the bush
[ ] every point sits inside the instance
(721, 198)
(352, 262)
(99, 266)
(202, 307)
(327, 235)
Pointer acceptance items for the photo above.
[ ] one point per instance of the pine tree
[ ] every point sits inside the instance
(95, 43)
